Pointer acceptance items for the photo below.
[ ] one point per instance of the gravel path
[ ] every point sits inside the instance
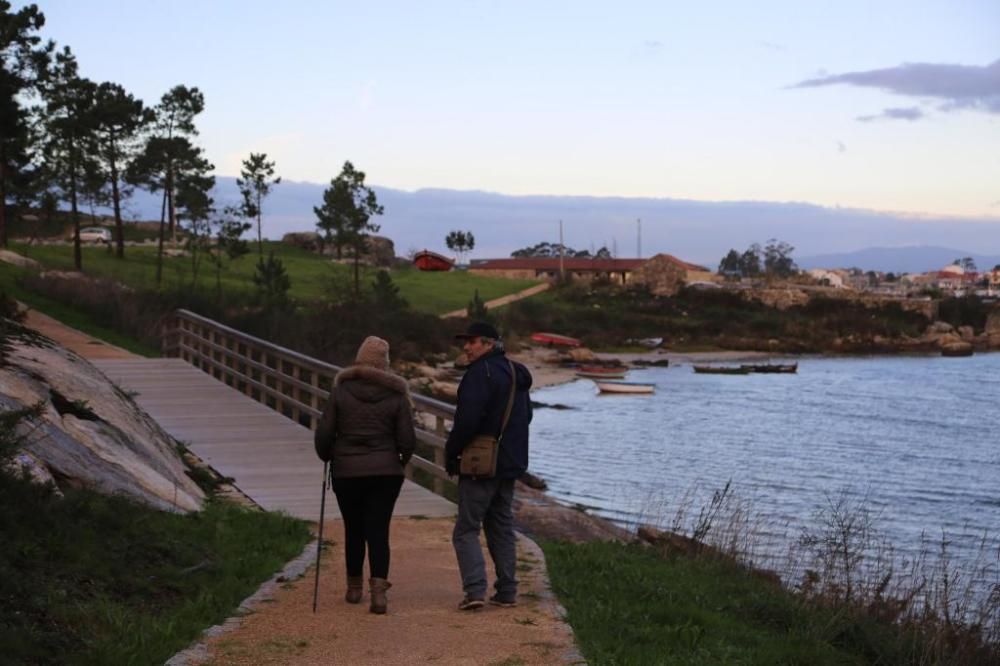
(423, 624)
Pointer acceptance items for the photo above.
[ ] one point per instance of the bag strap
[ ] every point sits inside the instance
(510, 400)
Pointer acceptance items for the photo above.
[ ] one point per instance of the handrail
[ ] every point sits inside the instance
(293, 384)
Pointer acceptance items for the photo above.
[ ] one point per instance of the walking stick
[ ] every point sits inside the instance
(319, 541)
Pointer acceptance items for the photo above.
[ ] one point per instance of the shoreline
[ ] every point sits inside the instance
(547, 374)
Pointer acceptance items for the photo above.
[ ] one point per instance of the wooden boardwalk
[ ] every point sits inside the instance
(270, 457)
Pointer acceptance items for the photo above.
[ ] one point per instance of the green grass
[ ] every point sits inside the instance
(73, 317)
(92, 579)
(627, 605)
(311, 275)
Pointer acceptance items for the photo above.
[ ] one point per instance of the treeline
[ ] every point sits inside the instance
(69, 141)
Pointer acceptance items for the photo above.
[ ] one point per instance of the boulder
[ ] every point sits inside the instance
(993, 321)
(966, 333)
(956, 349)
(307, 240)
(90, 432)
(445, 390)
(581, 354)
(940, 328)
(18, 260)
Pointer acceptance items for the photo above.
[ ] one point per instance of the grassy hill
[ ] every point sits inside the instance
(313, 277)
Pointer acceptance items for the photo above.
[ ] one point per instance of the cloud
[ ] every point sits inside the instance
(653, 44)
(957, 86)
(910, 113)
(841, 147)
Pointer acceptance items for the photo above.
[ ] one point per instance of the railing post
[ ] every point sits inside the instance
(439, 456)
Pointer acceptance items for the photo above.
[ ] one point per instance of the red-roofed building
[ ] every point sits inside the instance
(662, 268)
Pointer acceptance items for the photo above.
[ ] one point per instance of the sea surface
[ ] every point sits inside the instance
(914, 439)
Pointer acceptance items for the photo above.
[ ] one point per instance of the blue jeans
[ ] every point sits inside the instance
(486, 504)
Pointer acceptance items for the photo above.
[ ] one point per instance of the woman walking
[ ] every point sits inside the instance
(366, 434)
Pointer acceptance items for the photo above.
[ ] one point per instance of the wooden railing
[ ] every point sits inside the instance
(291, 383)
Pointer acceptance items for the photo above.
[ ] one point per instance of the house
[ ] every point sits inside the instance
(663, 273)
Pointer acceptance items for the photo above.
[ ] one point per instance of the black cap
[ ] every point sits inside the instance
(479, 329)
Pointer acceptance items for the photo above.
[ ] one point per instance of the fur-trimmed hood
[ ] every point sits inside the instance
(370, 384)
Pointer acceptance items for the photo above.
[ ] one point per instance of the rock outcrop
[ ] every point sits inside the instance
(381, 250)
(90, 432)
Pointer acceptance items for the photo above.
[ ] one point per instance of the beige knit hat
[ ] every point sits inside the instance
(373, 352)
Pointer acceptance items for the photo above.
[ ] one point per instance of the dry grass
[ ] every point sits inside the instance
(841, 560)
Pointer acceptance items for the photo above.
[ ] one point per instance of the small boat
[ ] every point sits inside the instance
(773, 368)
(555, 340)
(601, 371)
(649, 343)
(600, 375)
(625, 387)
(722, 369)
(432, 261)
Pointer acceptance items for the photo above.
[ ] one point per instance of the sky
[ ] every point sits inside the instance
(891, 106)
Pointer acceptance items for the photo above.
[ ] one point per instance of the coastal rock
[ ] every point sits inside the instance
(966, 333)
(445, 391)
(542, 517)
(939, 328)
(993, 340)
(90, 432)
(957, 349)
(947, 339)
(993, 321)
(780, 299)
(581, 355)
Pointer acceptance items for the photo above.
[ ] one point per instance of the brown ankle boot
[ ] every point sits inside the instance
(377, 587)
(355, 589)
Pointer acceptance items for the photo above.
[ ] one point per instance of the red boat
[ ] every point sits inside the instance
(555, 340)
(432, 261)
(601, 371)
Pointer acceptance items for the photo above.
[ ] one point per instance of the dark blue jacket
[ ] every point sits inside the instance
(482, 399)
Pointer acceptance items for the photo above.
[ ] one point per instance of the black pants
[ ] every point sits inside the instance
(366, 504)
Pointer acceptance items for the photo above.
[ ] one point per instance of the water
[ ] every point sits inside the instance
(917, 435)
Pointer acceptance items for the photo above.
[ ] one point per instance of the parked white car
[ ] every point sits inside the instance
(95, 235)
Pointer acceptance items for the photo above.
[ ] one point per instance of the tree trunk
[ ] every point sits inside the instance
(171, 216)
(3, 195)
(357, 282)
(159, 251)
(75, 212)
(260, 241)
(116, 200)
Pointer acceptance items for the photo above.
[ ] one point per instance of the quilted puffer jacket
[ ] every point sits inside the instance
(367, 426)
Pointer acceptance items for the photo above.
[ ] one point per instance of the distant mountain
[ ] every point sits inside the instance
(697, 231)
(916, 259)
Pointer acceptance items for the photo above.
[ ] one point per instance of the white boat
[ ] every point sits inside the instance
(625, 387)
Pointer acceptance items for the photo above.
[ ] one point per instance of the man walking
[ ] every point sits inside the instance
(488, 503)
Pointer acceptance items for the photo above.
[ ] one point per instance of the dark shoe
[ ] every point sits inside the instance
(355, 589)
(377, 587)
(503, 602)
(471, 603)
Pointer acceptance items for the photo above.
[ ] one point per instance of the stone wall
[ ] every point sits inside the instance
(661, 275)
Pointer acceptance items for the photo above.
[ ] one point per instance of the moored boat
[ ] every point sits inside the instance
(601, 371)
(721, 369)
(773, 368)
(555, 340)
(624, 387)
